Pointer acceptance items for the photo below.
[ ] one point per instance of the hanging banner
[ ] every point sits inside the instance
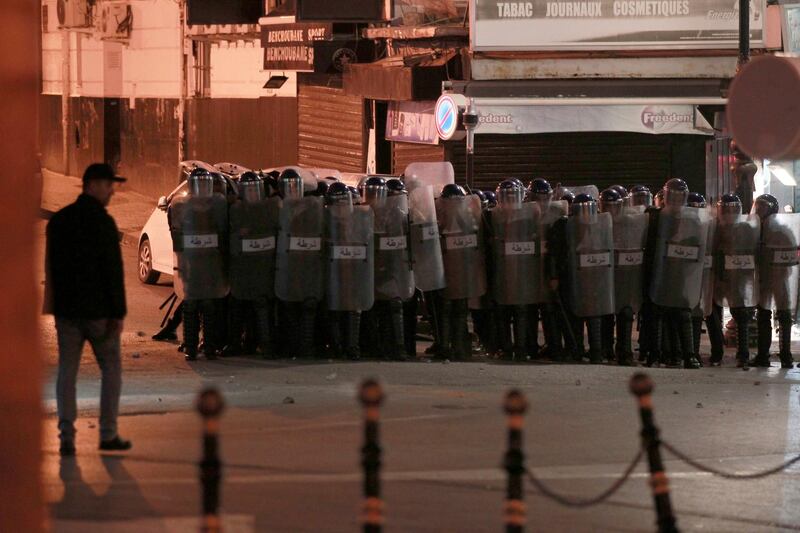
(412, 122)
(611, 24)
(654, 119)
(291, 46)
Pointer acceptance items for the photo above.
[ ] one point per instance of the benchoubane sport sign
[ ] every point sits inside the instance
(611, 24)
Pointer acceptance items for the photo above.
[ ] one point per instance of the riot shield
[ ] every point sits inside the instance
(590, 259)
(516, 255)
(199, 228)
(735, 271)
(426, 253)
(707, 288)
(778, 262)
(461, 229)
(299, 266)
(253, 240)
(350, 258)
(630, 238)
(394, 277)
(678, 258)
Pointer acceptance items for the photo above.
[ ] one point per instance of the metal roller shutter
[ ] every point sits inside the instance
(600, 158)
(405, 153)
(331, 129)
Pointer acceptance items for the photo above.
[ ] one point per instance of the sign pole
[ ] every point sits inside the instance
(470, 121)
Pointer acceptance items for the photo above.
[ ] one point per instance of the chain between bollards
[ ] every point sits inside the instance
(210, 406)
(514, 462)
(641, 386)
(371, 397)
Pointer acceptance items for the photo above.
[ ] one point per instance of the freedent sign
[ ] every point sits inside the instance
(611, 24)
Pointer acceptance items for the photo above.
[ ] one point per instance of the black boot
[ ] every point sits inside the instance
(308, 328)
(398, 349)
(191, 328)
(520, 314)
(697, 329)
(686, 339)
(624, 347)
(445, 330)
(655, 326)
(263, 308)
(715, 336)
(594, 326)
(742, 317)
(352, 329)
(460, 338)
(785, 338)
(764, 322)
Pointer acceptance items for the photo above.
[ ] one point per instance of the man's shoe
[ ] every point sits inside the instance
(67, 448)
(761, 361)
(691, 362)
(743, 362)
(115, 444)
(165, 336)
(190, 353)
(787, 361)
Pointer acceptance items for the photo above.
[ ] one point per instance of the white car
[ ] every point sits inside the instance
(155, 241)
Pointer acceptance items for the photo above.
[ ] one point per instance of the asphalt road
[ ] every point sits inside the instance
(292, 432)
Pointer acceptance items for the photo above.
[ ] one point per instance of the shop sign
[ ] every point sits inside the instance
(791, 28)
(654, 119)
(412, 122)
(291, 46)
(611, 24)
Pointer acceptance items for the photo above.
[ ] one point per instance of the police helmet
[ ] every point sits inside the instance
(766, 205)
(452, 190)
(696, 199)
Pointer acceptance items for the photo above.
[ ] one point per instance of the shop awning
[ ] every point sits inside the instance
(550, 106)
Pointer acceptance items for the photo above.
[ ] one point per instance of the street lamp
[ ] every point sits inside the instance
(470, 120)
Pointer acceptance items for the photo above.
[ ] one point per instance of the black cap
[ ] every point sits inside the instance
(101, 171)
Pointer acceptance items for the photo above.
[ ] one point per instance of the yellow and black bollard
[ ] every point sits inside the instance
(371, 396)
(642, 387)
(514, 462)
(210, 406)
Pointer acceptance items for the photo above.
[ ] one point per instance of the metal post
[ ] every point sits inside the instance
(470, 120)
(514, 462)
(210, 406)
(371, 397)
(642, 387)
(744, 34)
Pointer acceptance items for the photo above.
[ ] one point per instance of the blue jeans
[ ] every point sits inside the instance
(72, 335)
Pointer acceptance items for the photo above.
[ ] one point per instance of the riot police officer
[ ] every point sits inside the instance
(299, 266)
(706, 309)
(736, 276)
(675, 257)
(778, 278)
(586, 252)
(630, 238)
(394, 279)
(640, 196)
(517, 268)
(350, 268)
(253, 235)
(426, 255)
(199, 226)
(540, 191)
(461, 236)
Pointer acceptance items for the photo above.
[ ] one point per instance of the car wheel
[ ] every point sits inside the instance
(146, 272)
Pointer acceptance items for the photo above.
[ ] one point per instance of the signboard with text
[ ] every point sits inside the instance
(412, 122)
(291, 46)
(611, 24)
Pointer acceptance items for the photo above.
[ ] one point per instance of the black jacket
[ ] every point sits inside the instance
(84, 263)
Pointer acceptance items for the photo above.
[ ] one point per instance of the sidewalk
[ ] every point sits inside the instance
(129, 209)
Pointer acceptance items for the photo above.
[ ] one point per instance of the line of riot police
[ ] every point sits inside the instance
(337, 271)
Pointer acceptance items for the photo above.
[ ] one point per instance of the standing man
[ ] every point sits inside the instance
(85, 290)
